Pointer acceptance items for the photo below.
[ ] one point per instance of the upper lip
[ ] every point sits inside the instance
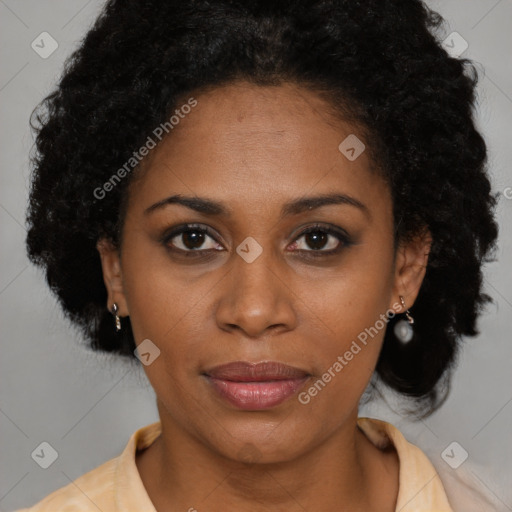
(244, 371)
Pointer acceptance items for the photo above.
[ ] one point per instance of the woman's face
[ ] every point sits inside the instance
(254, 288)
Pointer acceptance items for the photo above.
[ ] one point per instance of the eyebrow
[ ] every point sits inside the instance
(211, 207)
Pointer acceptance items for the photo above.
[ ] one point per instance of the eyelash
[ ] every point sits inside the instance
(338, 233)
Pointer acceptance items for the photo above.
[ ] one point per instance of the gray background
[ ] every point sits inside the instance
(87, 405)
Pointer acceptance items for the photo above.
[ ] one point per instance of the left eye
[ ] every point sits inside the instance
(319, 240)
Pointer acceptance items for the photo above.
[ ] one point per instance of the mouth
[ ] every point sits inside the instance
(256, 386)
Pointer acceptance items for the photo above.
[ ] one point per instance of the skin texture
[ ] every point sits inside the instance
(255, 149)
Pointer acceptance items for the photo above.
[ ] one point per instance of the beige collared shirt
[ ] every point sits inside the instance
(116, 486)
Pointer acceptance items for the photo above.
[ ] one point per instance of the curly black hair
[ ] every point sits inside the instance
(378, 62)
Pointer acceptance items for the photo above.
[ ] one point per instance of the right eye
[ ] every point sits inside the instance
(191, 238)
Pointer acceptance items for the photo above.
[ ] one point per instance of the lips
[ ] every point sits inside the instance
(255, 386)
(241, 371)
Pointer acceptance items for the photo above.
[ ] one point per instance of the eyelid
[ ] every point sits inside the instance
(327, 228)
(336, 231)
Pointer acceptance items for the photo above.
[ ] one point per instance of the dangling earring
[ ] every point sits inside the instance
(403, 328)
(114, 311)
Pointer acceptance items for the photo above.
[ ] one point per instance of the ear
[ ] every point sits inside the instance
(410, 267)
(112, 276)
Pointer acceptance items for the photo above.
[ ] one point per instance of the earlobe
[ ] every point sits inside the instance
(112, 275)
(410, 266)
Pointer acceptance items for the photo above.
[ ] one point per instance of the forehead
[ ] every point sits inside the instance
(246, 143)
(246, 114)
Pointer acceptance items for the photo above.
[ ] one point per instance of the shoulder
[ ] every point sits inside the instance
(92, 491)
(466, 487)
(420, 487)
(114, 485)
(426, 480)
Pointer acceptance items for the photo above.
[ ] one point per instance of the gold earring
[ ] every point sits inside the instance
(407, 313)
(114, 311)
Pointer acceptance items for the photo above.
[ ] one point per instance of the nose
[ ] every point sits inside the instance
(255, 298)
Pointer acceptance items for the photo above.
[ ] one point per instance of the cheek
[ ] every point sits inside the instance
(160, 295)
(348, 312)
(171, 305)
(353, 297)
(164, 308)
(345, 356)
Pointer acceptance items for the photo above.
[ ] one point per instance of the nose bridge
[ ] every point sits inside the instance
(256, 279)
(256, 297)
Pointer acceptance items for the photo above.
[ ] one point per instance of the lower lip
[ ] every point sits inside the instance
(256, 395)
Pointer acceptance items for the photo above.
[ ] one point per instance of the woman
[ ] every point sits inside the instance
(272, 206)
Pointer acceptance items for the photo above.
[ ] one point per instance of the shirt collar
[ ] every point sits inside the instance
(130, 493)
(420, 487)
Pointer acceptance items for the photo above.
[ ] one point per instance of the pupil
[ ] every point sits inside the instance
(193, 239)
(316, 239)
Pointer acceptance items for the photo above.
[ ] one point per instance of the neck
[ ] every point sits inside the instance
(346, 469)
